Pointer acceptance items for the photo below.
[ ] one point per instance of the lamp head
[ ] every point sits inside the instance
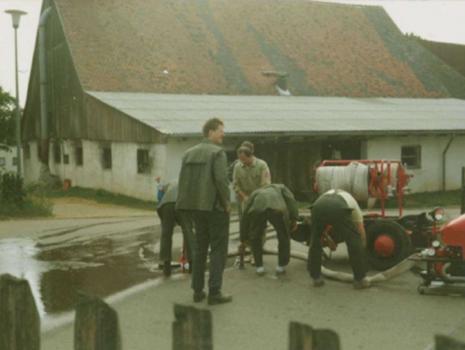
(15, 16)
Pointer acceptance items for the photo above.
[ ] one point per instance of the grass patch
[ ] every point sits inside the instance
(32, 206)
(17, 201)
(415, 200)
(429, 199)
(102, 196)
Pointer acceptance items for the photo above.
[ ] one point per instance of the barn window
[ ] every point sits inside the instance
(143, 161)
(106, 157)
(57, 152)
(411, 156)
(79, 154)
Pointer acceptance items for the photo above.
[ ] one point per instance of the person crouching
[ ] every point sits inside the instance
(274, 203)
(169, 217)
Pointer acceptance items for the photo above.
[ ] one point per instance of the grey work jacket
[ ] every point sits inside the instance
(276, 197)
(203, 181)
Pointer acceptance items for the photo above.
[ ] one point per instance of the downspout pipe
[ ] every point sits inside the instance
(43, 85)
(444, 162)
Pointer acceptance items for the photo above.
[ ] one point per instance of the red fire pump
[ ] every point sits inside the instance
(444, 258)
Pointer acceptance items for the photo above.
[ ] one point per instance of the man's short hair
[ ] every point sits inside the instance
(249, 145)
(211, 124)
(245, 151)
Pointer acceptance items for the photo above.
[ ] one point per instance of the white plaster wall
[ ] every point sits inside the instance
(121, 178)
(166, 163)
(32, 164)
(8, 156)
(175, 149)
(455, 160)
(429, 176)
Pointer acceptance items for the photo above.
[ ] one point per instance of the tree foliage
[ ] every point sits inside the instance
(7, 120)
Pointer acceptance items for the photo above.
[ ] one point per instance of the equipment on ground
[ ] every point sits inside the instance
(444, 258)
(390, 238)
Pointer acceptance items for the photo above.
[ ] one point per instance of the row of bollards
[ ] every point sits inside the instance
(96, 325)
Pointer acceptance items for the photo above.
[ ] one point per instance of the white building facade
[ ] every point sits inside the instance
(426, 135)
(126, 175)
(8, 159)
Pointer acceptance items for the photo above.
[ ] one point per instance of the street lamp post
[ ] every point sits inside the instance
(16, 17)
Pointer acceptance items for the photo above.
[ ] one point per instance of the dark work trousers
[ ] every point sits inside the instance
(258, 225)
(240, 213)
(169, 218)
(211, 230)
(327, 212)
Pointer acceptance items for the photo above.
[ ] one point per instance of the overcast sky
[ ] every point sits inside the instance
(438, 20)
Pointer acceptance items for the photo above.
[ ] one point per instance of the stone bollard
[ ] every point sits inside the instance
(96, 325)
(19, 319)
(192, 328)
(304, 337)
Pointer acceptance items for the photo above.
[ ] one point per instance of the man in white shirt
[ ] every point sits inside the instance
(338, 209)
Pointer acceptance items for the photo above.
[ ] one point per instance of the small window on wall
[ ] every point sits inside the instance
(57, 153)
(411, 156)
(2, 161)
(14, 161)
(79, 155)
(27, 151)
(66, 158)
(143, 161)
(106, 157)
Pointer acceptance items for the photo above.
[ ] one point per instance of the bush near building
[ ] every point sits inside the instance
(17, 201)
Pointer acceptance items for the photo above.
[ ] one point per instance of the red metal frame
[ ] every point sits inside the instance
(380, 166)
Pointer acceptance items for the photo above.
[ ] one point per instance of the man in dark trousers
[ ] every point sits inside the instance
(204, 194)
(276, 204)
(169, 217)
(339, 210)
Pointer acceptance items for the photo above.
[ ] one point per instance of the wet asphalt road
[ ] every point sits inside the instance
(97, 256)
(102, 257)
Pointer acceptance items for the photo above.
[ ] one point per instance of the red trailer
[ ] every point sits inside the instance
(390, 238)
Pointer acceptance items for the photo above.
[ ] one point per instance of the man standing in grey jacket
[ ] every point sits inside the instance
(204, 194)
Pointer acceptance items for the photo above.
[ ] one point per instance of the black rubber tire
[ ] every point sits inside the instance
(397, 233)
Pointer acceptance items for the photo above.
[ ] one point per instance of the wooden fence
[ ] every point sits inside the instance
(96, 325)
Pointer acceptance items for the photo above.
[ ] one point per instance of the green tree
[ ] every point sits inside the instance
(7, 119)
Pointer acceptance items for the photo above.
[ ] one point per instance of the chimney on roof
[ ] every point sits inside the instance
(280, 81)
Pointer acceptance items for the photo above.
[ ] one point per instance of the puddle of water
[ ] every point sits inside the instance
(100, 265)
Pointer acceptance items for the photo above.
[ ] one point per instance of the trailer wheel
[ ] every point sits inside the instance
(387, 244)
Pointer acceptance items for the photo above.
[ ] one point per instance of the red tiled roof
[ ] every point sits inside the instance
(222, 47)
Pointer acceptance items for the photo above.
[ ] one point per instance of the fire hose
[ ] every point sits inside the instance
(401, 267)
(398, 269)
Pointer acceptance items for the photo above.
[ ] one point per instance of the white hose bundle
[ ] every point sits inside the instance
(401, 267)
(352, 178)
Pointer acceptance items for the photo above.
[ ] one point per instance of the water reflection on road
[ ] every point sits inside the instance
(99, 259)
